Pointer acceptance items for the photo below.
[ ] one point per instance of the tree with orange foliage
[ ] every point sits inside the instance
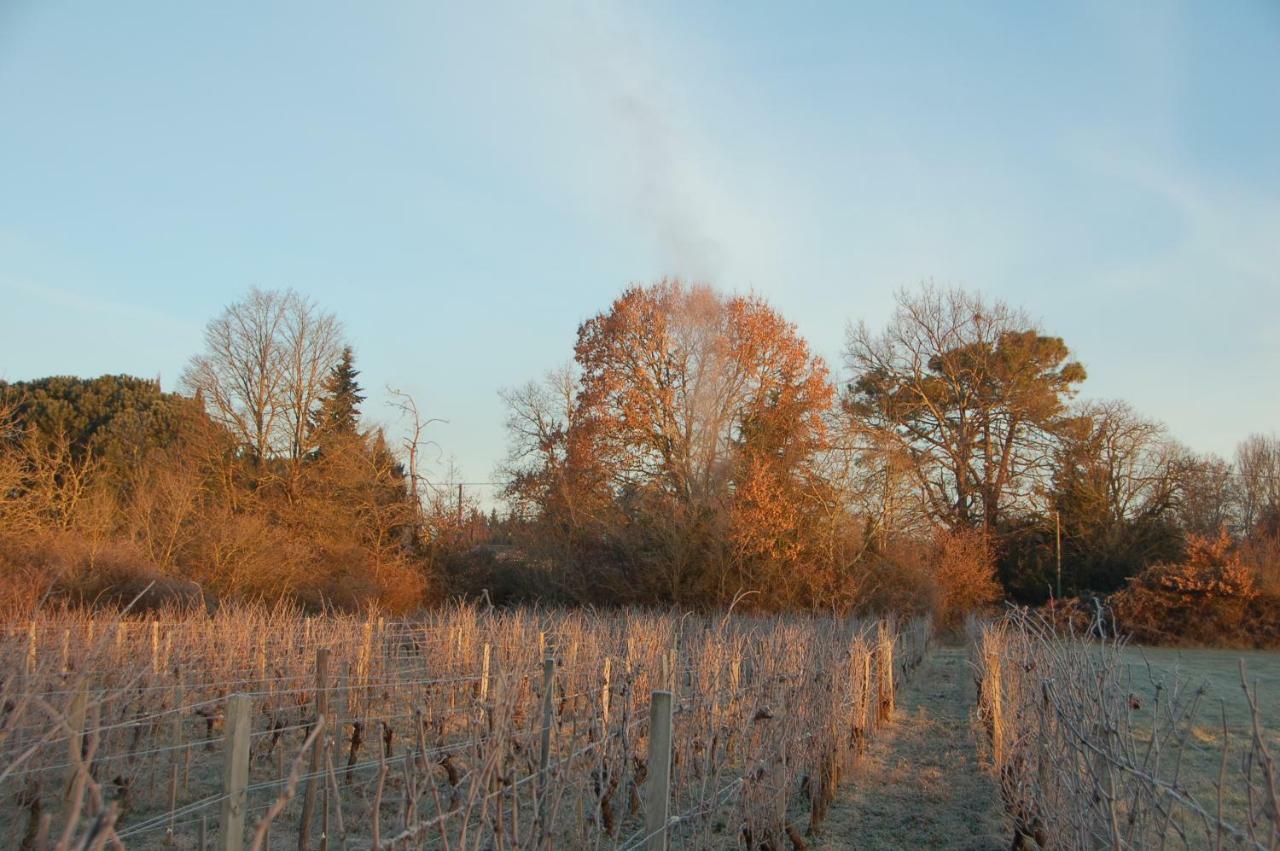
(964, 575)
(1208, 598)
(695, 417)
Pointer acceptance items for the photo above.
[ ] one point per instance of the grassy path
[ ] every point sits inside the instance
(920, 784)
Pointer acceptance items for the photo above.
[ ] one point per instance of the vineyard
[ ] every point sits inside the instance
(473, 728)
(1094, 745)
(466, 729)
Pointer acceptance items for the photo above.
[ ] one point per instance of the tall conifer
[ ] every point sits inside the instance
(339, 412)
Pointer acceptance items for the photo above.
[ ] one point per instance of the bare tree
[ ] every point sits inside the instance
(1207, 493)
(413, 443)
(265, 360)
(1116, 464)
(1258, 469)
(875, 477)
(12, 462)
(60, 481)
(311, 344)
(539, 418)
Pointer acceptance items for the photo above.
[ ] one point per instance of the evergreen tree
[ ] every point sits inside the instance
(339, 412)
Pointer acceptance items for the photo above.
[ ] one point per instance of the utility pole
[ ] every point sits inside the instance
(459, 511)
(1057, 532)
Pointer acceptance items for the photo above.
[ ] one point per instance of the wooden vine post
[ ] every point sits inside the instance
(605, 691)
(75, 743)
(322, 710)
(175, 768)
(31, 649)
(658, 783)
(364, 663)
(884, 670)
(544, 753)
(996, 700)
(235, 773)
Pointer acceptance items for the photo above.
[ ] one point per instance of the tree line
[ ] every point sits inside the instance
(694, 451)
(257, 480)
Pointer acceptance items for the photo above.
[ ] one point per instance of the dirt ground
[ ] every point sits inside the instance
(920, 784)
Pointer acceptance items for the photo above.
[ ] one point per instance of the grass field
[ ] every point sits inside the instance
(1096, 744)
(1222, 704)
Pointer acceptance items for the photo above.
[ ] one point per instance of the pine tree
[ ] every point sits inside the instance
(339, 412)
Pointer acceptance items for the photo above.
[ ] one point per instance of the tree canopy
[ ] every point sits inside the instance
(694, 451)
(971, 392)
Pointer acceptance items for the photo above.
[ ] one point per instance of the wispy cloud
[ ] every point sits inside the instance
(678, 181)
(78, 302)
(623, 93)
(1228, 231)
(669, 196)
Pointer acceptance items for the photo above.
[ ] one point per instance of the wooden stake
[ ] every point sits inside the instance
(235, 772)
(322, 709)
(75, 744)
(366, 658)
(605, 691)
(544, 754)
(658, 783)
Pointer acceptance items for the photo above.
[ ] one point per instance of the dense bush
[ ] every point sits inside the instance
(1209, 598)
(947, 575)
(110, 488)
(66, 569)
(964, 579)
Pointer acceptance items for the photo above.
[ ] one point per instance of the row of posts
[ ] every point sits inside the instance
(160, 651)
(235, 775)
(658, 781)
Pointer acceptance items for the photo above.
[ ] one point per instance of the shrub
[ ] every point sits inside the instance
(964, 579)
(1209, 598)
(1083, 615)
(22, 585)
(897, 579)
(67, 568)
(949, 575)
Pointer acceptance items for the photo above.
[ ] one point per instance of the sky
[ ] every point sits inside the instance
(464, 183)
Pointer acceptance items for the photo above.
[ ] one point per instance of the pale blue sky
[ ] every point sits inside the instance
(464, 183)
